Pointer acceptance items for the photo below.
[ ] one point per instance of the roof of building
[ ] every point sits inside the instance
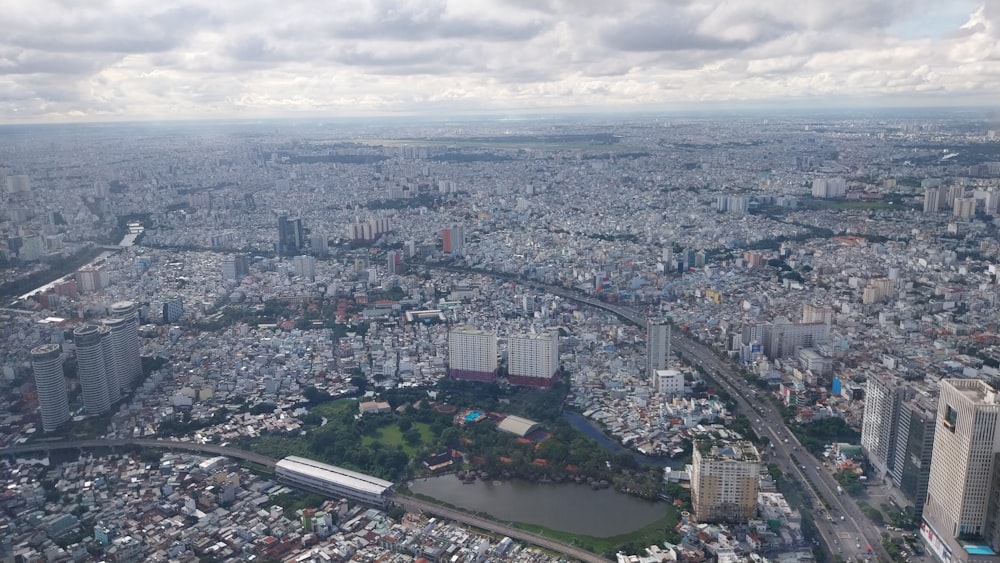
(517, 425)
(334, 474)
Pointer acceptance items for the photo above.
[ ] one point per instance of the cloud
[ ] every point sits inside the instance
(129, 59)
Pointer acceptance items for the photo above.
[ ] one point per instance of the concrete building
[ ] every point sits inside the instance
(914, 443)
(829, 187)
(125, 342)
(960, 520)
(453, 240)
(334, 481)
(472, 354)
(964, 207)
(291, 238)
(234, 268)
(668, 382)
(304, 267)
(724, 481)
(47, 364)
(107, 350)
(782, 338)
(657, 346)
(883, 396)
(934, 197)
(91, 369)
(91, 278)
(533, 359)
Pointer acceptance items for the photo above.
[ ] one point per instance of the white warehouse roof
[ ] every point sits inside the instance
(517, 425)
(334, 474)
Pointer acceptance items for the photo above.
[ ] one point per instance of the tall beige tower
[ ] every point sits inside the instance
(959, 523)
(724, 481)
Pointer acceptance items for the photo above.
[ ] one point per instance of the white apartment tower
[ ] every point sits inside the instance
(125, 343)
(657, 346)
(724, 481)
(114, 384)
(962, 485)
(46, 362)
(472, 354)
(533, 359)
(883, 397)
(92, 371)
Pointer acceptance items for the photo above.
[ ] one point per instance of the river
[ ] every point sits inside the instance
(573, 508)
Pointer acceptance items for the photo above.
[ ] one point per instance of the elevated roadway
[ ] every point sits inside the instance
(408, 503)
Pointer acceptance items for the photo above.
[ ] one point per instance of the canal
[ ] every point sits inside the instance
(577, 420)
(572, 508)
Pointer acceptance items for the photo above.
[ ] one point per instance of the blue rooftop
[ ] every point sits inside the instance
(978, 550)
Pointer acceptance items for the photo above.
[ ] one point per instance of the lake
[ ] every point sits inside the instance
(567, 507)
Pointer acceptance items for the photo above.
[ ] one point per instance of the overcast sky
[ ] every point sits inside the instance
(72, 60)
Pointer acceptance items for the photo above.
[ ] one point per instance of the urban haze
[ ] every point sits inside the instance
(500, 281)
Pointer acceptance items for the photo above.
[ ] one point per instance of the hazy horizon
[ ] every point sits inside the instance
(125, 61)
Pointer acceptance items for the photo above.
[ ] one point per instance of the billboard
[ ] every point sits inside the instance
(934, 542)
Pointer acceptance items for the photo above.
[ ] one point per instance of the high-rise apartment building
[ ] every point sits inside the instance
(91, 278)
(533, 359)
(724, 481)
(107, 350)
(657, 346)
(883, 397)
(235, 267)
(782, 339)
(934, 198)
(304, 267)
(92, 372)
(394, 262)
(125, 342)
(914, 443)
(960, 520)
(50, 383)
(472, 354)
(453, 240)
(829, 187)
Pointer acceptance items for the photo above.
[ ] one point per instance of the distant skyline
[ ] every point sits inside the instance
(62, 60)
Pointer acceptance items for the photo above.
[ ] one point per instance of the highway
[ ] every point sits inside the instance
(144, 442)
(845, 538)
(407, 502)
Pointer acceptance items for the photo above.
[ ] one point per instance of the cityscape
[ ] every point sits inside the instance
(714, 304)
(410, 282)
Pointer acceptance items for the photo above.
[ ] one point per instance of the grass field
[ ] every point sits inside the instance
(392, 437)
(334, 408)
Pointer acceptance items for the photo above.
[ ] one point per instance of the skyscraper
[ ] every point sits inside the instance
(883, 397)
(914, 443)
(960, 511)
(234, 267)
(46, 362)
(533, 359)
(453, 240)
(724, 481)
(657, 346)
(291, 238)
(125, 342)
(114, 385)
(472, 354)
(91, 369)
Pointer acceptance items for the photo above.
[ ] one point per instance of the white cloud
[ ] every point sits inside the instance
(131, 59)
